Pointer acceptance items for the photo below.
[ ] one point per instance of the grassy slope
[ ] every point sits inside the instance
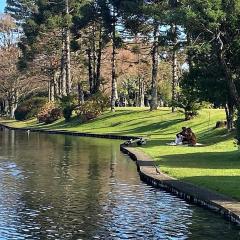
(215, 165)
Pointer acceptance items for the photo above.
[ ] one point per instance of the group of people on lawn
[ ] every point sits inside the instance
(186, 136)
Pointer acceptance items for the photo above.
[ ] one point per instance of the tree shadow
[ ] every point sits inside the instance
(153, 127)
(75, 122)
(214, 136)
(157, 142)
(205, 160)
(228, 185)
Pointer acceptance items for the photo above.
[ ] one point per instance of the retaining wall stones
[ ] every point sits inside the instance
(71, 133)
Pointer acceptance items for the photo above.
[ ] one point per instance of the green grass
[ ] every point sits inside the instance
(215, 165)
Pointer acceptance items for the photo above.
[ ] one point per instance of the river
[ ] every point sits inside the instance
(65, 187)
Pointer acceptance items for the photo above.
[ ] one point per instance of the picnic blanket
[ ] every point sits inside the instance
(184, 145)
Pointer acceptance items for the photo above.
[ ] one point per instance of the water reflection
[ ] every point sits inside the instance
(62, 187)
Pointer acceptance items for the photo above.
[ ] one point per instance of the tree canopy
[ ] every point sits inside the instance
(138, 52)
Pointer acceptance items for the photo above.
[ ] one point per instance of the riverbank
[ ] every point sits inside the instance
(203, 197)
(95, 185)
(214, 165)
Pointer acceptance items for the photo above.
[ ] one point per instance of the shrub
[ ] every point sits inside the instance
(93, 107)
(29, 108)
(188, 98)
(67, 113)
(49, 113)
(21, 113)
(189, 108)
(102, 101)
(68, 104)
(89, 110)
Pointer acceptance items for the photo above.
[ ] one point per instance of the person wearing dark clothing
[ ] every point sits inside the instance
(181, 137)
(191, 137)
(183, 133)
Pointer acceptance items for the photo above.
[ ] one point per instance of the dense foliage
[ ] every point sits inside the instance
(49, 113)
(68, 104)
(140, 53)
(29, 108)
(93, 107)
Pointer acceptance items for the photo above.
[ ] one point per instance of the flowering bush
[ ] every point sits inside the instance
(49, 113)
(93, 107)
(88, 110)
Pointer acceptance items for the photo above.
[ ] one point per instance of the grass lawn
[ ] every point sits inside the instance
(215, 165)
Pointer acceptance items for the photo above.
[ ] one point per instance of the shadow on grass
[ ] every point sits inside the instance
(204, 160)
(75, 121)
(148, 128)
(122, 122)
(213, 136)
(205, 137)
(157, 142)
(228, 185)
(152, 127)
(122, 113)
(214, 188)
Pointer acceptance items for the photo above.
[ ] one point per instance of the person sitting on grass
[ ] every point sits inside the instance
(191, 137)
(181, 137)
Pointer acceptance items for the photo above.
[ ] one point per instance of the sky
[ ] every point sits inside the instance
(2, 5)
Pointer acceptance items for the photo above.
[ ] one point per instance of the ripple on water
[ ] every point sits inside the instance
(88, 190)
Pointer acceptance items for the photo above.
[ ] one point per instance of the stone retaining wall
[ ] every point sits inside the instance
(71, 133)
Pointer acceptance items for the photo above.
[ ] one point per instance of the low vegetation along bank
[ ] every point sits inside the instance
(214, 165)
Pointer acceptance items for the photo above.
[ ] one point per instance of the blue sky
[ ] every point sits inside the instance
(2, 5)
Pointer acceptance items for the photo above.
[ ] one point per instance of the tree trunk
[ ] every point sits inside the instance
(174, 67)
(94, 58)
(80, 94)
(154, 95)
(140, 93)
(114, 95)
(142, 104)
(63, 70)
(15, 103)
(51, 90)
(140, 86)
(189, 54)
(59, 83)
(228, 75)
(56, 85)
(64, 89)
(229, 109)
(68, 55)
(11, 111)
(99, 62)
(90, 70)
(1, 106)
(6, 106)
(12, 103)
(68, 64)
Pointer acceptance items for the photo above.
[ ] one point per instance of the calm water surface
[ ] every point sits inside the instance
(63, 187)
